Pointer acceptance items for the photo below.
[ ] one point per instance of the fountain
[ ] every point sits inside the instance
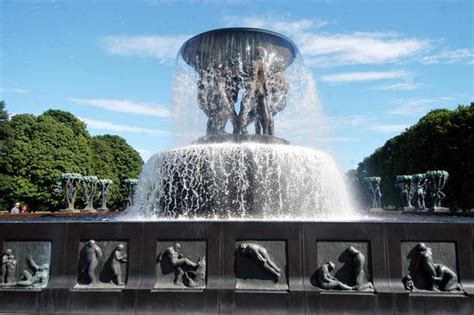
(241, 80)
(240, 221)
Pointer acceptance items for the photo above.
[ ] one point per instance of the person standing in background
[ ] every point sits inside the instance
(15, 209)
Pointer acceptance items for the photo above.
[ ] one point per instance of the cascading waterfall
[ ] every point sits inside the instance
(248, 180)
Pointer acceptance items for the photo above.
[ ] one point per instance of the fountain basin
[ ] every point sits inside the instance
(241, 180)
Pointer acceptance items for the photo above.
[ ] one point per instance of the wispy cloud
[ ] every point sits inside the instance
(14, 90)
(402, 86)
(357, 48)
(164, 48)
(109, 126)
(450, 56)
(325, 49)
(417, 107)
(277, 24)
(388, 128)
(125, 106)
(363, 76)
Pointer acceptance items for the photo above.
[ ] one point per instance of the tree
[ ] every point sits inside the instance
(38, 149)
(3, 120)
(441, 140)
(3, 113)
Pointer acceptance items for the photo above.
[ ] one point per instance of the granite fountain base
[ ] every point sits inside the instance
(231, 284)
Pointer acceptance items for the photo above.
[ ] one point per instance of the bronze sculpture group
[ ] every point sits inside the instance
(261, 83)
(186, 272)
(357, 280)
(93, 255)
(36, 276)
(415, 188)
(70, 184)
(424, 274)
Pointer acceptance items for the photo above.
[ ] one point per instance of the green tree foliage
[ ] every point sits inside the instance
(441, 140)
(39, 148)
(3, 113)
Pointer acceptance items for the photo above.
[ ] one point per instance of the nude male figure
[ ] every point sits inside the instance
(177, 261)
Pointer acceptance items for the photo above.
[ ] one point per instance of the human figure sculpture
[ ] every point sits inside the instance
(358, 262)
(217, 93)
(325, 281)
(259, 253)
(177, 260)
(131, 184)
(266, 89)
(196, 278)
(446, 279)
(404, 182)
(5, 266)
(11, 268)
(38, 277)
(373, 184)
(278, 90)
(119, 257)
(436, 277)
(406, 196)
(69, 185)
(408, 283)
(436, 180)
(89, 183)
(93, 255)
(419, 182)
(104, 186)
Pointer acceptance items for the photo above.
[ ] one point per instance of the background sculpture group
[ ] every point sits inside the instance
(413, 190)
(70, 184)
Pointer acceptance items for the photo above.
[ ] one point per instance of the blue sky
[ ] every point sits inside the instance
(379, 65)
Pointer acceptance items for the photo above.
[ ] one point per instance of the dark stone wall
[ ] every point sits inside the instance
(294, 243)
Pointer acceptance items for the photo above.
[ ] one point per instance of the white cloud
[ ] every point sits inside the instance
(125, 106)
(363, 76)
(388, 128)
(324, 49)
(15, 90)
(145, 154)
(450, 56)
(109, 126)
(276, 24)
(164, 48)
(357, 48)
(417, 107)
(402, 86)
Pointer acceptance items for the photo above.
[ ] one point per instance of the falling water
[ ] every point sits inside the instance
(242, 181)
